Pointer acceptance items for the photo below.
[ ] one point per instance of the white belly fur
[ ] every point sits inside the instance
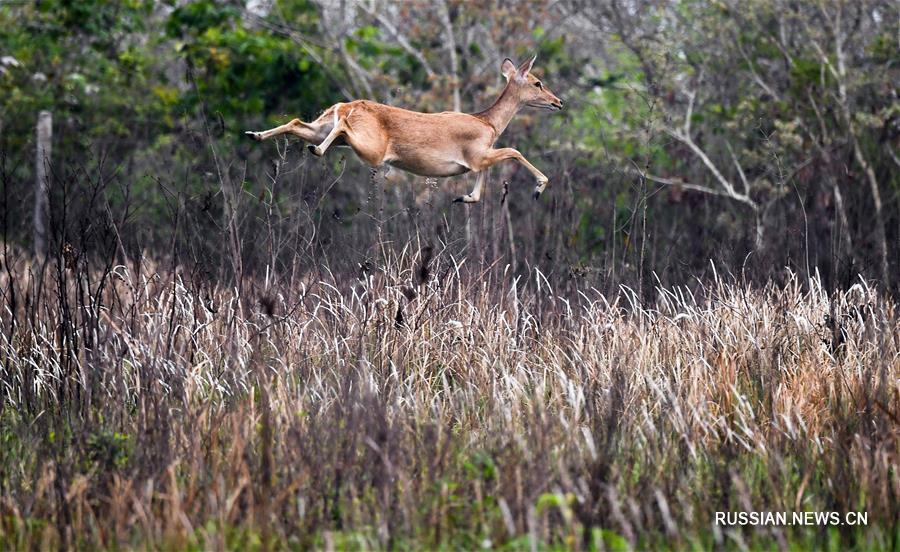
(448, 168)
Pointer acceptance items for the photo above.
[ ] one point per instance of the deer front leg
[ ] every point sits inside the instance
(337, 129)
(475, 195)
(495, 156)
(319, 150)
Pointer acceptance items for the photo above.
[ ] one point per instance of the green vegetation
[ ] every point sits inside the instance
(693, 130)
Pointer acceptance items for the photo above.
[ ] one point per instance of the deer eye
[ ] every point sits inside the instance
(539, 85)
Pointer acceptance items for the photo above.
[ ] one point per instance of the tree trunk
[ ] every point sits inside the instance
(444, 13)
(42, 181)
(880, 235)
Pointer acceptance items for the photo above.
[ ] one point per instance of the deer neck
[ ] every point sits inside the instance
(501, 112)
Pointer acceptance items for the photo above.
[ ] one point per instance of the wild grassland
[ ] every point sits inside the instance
(434, 407)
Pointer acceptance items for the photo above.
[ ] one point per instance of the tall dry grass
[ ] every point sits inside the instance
(426, 405)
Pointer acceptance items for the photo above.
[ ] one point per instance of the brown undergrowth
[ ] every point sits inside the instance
(425, 405)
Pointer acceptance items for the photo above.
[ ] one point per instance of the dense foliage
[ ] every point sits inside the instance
(761, 135)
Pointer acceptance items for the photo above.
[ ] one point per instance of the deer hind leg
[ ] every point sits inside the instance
(495, 156)
(475, 195)
(298, 128)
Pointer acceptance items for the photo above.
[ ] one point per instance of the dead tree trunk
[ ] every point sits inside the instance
(42, 181)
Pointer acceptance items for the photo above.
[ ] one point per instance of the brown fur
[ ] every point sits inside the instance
(427, 144)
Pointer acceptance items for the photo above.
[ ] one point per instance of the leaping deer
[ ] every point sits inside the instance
(428, 144)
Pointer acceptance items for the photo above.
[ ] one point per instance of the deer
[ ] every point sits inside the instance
(443, 144)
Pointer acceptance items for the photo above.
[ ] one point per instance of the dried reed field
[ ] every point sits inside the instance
(428, 405)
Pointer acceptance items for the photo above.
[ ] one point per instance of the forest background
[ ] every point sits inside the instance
(761, 136)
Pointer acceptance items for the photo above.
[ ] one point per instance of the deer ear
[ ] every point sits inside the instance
(523, 69)
(508, 68)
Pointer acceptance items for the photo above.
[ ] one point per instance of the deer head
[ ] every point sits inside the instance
(527, 89)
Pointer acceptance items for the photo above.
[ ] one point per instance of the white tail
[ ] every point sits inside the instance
(428, 144)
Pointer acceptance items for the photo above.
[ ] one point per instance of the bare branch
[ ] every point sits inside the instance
(690, 112)
(400, 37)
(740, 169)
(676, 182)
(756, 77)
(726, 185)
(893, 156)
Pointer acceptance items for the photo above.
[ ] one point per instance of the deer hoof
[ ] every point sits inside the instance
(536, 195)
(254, 135)
(315, 150)
(464, 199)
